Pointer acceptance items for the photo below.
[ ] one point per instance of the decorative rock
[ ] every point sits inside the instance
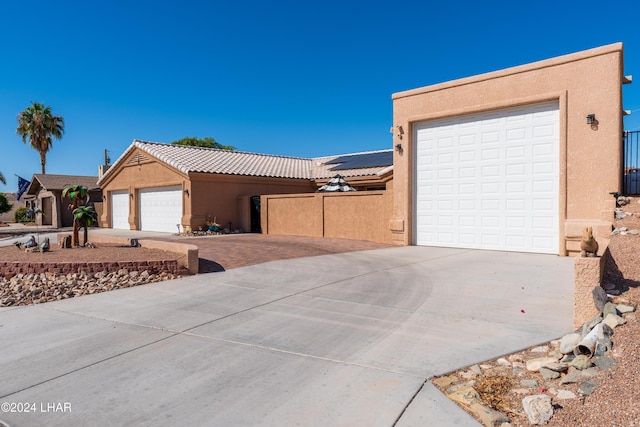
(609, 308)
(503, 362)
(572, 377)
(534, 365)
(565, 394)
(476, 369)
(540, 349)
(517, 357)
(548, 374)
(623, 308)
(538, 408)
(569, 342)
(445, 381)
(590, 372)
(613, 320)
(604, 363)
(601, 349)
(581, 362)
(586, 387)
(599, 297)
(529, 383)
(589, 325)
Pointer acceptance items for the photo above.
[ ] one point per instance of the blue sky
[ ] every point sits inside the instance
(282, 77)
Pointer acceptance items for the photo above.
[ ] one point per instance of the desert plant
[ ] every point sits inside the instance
(20, 215)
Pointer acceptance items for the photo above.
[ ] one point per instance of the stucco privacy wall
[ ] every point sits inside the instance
(360, 215)
(225, 197)
(583, 83)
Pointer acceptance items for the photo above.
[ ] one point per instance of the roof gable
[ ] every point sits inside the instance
(51, 182)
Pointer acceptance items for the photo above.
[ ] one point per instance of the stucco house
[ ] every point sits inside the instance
(45, 192)
(521, 159)
(156, 187)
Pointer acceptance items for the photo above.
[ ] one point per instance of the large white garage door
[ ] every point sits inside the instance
(120, 210)
(489, 180)
(160, 209)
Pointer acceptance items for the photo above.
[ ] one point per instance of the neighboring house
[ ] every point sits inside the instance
(520, 159)
(45, 193)
(158, 187)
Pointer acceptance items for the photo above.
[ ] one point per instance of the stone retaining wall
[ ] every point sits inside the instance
(10, 269)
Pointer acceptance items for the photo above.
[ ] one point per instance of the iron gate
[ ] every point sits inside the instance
(631, 177)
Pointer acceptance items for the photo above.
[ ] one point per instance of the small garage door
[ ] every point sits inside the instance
(161, 209)
(489, 181)
(120, 210)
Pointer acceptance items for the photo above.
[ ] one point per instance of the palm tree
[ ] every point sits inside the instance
(37, 124)
(78, 195)
(2, 180)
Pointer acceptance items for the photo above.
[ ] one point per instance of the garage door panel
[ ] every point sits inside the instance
(500, 169)
(161, 209)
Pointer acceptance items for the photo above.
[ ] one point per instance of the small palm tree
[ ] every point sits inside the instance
(37, 124)
(85, 216)
(78, 195)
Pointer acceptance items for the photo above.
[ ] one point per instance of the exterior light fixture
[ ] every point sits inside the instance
(398, 147)
(591, 119)
(186, 191)
(397, 130)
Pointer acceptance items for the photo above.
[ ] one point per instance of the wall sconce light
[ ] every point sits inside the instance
(399, 148)
(591, 119)
(186, 191)
(104, 197)
(131, 195)
(397, 130)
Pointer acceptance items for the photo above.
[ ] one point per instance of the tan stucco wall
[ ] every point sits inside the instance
(220, 196)
(583, 83)
(359, 215)
(131, 176)
(224, 196)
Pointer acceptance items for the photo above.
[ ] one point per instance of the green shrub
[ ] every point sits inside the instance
(21, 215)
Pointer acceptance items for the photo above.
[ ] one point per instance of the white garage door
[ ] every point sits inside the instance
(120, 210)
(160, 209)
(489, 181)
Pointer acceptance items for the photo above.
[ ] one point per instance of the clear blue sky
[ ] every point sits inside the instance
(282, 77)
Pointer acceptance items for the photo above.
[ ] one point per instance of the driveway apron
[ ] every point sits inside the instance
(343, 339)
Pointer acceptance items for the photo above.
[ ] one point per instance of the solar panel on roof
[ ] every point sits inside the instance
(357, 161)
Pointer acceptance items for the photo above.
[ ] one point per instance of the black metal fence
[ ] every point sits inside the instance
(631, 178)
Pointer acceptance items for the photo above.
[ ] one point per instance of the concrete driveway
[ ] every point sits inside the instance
(347, 339)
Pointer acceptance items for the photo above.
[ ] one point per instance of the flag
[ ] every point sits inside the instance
(23, 184)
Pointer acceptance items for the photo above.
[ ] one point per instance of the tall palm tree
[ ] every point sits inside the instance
(37, 124)
(2, 180)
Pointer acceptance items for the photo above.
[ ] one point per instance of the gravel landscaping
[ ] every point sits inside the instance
(40, 287)
(597, 391)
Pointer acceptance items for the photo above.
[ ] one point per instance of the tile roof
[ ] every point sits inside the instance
(59, 182)
(209, 160)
